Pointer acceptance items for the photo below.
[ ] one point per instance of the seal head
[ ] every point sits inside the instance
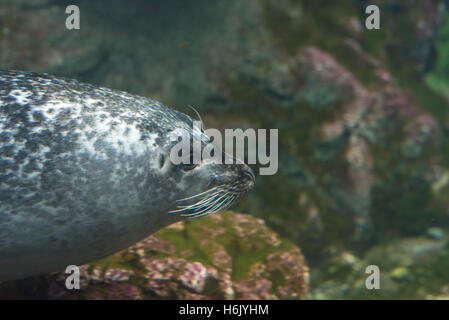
(85, 171)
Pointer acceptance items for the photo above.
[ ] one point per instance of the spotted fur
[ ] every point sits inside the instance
(84, 171)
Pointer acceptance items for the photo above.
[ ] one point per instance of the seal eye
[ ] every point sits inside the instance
(161, 160)
(189, 166)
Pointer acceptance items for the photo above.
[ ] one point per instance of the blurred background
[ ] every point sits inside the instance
(363, 115)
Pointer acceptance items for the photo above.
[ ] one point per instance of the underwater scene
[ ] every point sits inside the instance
(341, 190)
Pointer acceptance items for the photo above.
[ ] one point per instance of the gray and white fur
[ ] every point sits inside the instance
(85, 172)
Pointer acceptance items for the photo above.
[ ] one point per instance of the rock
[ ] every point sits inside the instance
(435, 233)
(224, 256)
(411, 29)
(410, 268)
(349, 163)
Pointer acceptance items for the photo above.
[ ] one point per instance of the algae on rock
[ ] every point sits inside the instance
(224, 256)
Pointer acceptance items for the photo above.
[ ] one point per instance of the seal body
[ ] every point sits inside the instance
(85, 172)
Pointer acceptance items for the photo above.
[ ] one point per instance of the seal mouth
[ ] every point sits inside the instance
(216, 198)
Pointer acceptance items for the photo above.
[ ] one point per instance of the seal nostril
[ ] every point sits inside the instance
(247, 171)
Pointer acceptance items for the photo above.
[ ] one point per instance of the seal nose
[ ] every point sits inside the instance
(248, 172)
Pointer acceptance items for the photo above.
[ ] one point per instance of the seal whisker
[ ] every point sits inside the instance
(203, 202)
(223, 205)
(200, 204)
(206, 206)
(228, 203)
(199, 194)
(220, 203)
(216, 206)
(217, 202)
(210, 206)
(199, 117)
(216, 189)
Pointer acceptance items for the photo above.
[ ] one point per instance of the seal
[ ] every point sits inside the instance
(85, 172)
